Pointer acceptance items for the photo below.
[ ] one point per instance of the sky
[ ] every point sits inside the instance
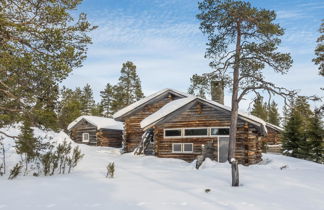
(163, 39)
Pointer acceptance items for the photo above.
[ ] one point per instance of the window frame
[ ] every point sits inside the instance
(83, 139)
(182, 130)
(192, 148)
(182, 148)
(195, 128)
(169, 129)
(173, 144)
(218, 128)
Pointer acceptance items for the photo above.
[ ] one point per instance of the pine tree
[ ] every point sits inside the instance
(26, 144)
(294, 137)
(97, 110)
(128, 90)
(273, 114)
(41, 43)
(242, 41)
(315, 136)
(70, 106)
(319, 51)
(106, 100)
(87, 100)
(260, 108)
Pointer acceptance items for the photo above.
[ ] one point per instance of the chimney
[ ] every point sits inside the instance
(217, 91)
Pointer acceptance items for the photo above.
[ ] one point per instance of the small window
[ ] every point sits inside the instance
(85, 137)
(188, 147)
(196, 132)
(219, 131)
(172, 132)
(177, 148)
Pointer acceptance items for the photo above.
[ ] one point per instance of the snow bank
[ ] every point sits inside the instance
(147, 182)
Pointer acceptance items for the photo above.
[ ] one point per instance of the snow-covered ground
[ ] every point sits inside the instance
(153, 183)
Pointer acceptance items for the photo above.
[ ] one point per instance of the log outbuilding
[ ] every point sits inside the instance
(98, 131)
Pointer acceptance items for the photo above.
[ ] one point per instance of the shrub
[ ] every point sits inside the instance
(110, 170)
(15, 171)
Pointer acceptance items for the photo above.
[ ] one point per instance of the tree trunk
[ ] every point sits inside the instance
(234, 111)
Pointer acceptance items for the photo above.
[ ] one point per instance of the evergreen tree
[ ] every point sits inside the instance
(302, 106)
(315, 136)
(70, 106)
(26, 144)
(106, 100)
(273, 114)
(87, 101)
(128, 90)
(319, 51)
(97, 110)
(260, 108)
(294, 136)
(41, 43)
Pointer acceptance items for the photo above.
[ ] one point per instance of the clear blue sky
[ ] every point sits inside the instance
(163, 39)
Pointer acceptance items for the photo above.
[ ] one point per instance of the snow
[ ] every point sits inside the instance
(147, 182)
(176, 104)
(100, 122)
(145, 100)
(275, 127)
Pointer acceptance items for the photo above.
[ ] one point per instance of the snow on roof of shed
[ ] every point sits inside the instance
(177, 104)
(144, 101)
(275, 127)
(100, 122)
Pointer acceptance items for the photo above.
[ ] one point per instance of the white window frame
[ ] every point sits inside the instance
(182, 148)
(83, 139)
(173, 147)
(184, 132)
(218, 128)
(192, 147)
(171, 137)
(209, 135)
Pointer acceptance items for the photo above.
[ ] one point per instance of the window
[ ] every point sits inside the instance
(219, 131)
(172, 132)
(85, 137)
(188, 147)
(177, 148)
(182, 147)
(196, 132)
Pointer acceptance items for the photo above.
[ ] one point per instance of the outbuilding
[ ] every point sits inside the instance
(98, 131)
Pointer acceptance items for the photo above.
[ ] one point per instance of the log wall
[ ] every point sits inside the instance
(84, 127)
(248, 147)
(132, 129)
(109, 138)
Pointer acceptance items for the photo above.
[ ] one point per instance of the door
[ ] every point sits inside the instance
(222, 149)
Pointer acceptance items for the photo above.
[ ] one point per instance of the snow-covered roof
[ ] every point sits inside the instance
(143, 101)
(275, 127)
(177, 104)
(100, 122)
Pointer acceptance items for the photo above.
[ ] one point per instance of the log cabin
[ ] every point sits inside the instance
(171, 124)
(97, 131)
(183, 127)
(133, 114)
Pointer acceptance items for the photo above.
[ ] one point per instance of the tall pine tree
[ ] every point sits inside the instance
(260, 108)
(315, 136)
(87, 101)
(273, 114)
(128, 90)
(106, 100)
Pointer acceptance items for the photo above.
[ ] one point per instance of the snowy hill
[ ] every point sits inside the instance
(152, 183)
